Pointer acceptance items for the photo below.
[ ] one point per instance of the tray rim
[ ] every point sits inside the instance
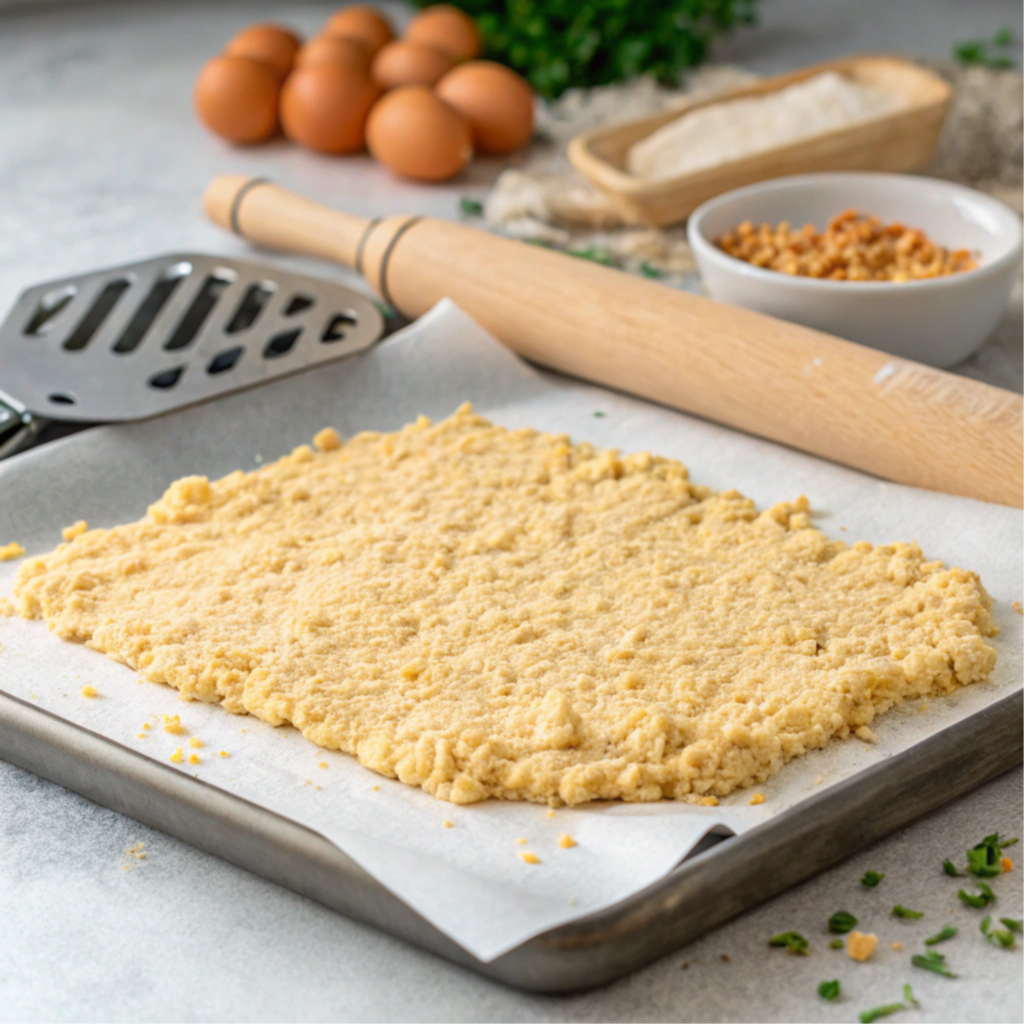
(701, 893)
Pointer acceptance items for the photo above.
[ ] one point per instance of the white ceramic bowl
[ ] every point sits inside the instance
(939, 321)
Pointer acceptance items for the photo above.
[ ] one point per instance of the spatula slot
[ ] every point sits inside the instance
(47, 309)
(60, 398)
(98, 312)
(299, 303)
(166, 379)
(281, 344)
(335, 329)
(224, 361)
(149, 309)
(196, 314)
(254, 301)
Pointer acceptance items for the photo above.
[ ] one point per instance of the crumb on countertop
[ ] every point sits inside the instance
(1006, 864)
(549, 813)
(172, 724)
(529, 858)
(195, 742)
(71, 532)
(90, 691)
(177, 757)
(223, 753)
(194, 759)
(757, 798)
(566, 841)
(898, 946)
(9, 551)
(709, 801)
(864, 733)
(446, 823)
(1018, 607)
(521, 842)
(322, 764)
(860, 945)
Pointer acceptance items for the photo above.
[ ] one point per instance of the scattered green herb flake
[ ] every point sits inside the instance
(649, 271)
(593, 254)
(872, 878)
(982, 899)
(836, 943)
(470, 207)
(792, 942)
(998, 937)
(950, 868)
(1012, 923)
(932, 961)
(841, 922)
(1004, 37)
(901, 911)
(947, 933)
(599, 415)
(976, 51)
(829, 990)
(983, 859)
(908, 996)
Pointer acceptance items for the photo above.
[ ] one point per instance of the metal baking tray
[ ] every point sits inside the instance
(719, 880)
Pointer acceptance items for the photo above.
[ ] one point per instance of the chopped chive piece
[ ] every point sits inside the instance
(998, 937)
(841, 922)
(829, 990)
(470, 207)
(950, 868)
(932, 961)
(793, 942)
(599, 415)
(983, 859)
(648, 270)
(593, 254)
(982, 899)
(909, 1002)
(836, 943)
(901, 911)
(1004, 37)
(947, 933)
(872, 878)
(1012, 923)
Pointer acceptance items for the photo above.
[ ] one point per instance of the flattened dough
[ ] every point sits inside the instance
(494, 613)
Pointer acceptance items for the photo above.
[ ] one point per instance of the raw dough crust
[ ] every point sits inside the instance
(494, 613)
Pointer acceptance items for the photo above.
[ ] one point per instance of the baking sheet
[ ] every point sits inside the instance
(468, 880)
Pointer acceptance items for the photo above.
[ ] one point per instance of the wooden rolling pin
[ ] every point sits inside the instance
(888, 416)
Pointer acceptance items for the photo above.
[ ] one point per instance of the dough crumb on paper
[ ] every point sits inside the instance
(485, 612)
(71, 532)
(9, 551)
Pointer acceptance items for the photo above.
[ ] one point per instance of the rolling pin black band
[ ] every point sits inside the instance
(385, 294)
(237, 204)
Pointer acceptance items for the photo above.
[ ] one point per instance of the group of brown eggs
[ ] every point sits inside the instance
(421, 104)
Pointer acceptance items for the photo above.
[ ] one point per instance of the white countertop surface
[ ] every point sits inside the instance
(101, 161)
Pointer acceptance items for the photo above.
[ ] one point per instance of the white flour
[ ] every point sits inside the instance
(723, 132)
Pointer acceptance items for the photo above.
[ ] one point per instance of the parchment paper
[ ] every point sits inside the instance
(468, 879)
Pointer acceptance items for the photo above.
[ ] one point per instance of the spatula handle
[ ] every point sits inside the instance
(888, 416)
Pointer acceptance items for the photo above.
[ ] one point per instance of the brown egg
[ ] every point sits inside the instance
(403, 63)
(324, 107)
(349, 53)
(497, 103)
(446, 28)
(271, 44)
(236, 98)
(413, 133)
(360, 22)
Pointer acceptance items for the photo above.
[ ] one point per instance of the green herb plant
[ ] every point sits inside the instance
(563, 44)
(980, 51)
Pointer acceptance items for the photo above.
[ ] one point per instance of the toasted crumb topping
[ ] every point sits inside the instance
(71, 532)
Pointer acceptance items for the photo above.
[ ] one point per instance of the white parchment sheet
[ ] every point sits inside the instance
(469, 879)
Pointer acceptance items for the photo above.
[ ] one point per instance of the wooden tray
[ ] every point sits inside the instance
(903, 140)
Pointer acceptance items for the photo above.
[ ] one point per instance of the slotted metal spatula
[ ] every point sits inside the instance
(143, 338)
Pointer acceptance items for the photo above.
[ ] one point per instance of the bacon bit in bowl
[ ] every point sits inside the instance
(854, 247)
